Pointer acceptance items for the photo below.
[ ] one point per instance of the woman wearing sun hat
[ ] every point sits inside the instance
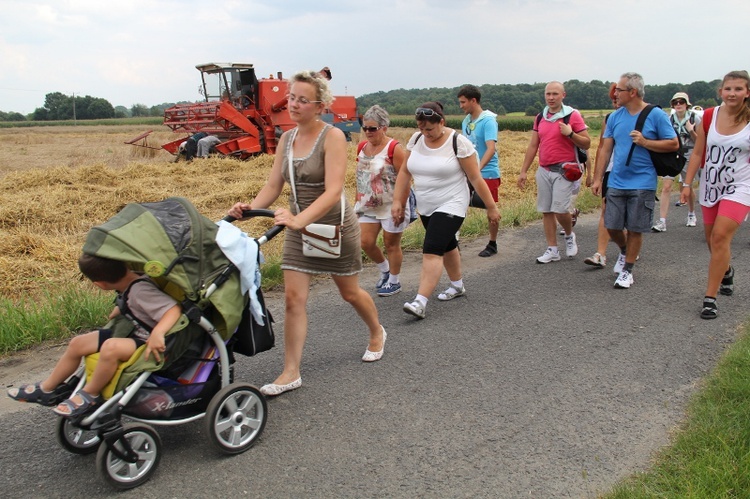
(684, 121)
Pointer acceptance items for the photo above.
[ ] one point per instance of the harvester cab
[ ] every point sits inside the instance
(246, 114)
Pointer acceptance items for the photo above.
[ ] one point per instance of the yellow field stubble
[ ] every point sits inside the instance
(58, 182)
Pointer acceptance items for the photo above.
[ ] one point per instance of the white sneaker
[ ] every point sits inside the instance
(598, 260)
(624, 280)
(549, 256)
(619, 264)
(571, 247)
(659, 226)
(692, 220)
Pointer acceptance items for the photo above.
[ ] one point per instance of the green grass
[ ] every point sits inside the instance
(145, 120)
(710, 454)
(61, 313)
(58, 313)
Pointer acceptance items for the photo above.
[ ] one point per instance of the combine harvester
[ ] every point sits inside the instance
(248, 115)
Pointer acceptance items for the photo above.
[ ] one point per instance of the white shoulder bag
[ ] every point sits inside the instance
(318, 240)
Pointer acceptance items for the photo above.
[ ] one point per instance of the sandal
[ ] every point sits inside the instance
(727, 283)
(710, 309)
(69, 409)
(39, 396)
(451, 292)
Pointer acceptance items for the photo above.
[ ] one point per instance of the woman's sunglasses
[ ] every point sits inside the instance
(371, 128)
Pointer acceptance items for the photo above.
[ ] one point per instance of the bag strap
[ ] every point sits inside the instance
(360, 146)
(392, 147)
(566, 119)
(291, 175)
(708, 116)
(639, 122)
(121, 301)
(455, 142)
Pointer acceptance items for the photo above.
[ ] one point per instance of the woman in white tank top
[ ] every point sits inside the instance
(724, 181)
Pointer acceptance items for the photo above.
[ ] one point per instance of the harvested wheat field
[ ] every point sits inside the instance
(58, 182)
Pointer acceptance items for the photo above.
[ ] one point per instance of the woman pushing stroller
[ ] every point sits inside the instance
(318, 153)
(152, 312)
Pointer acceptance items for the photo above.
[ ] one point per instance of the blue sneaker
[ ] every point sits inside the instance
(384, 276)
(389, 289)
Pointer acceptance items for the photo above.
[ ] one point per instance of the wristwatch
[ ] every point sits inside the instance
(570, 135)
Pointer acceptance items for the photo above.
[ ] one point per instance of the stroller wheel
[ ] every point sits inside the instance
(75, 439)
(235, 417)
(122, 472)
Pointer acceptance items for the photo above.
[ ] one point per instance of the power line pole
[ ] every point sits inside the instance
(74, 108)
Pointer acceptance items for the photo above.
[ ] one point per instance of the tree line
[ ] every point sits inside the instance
(501, 99)
(61, 107)
(529, 98)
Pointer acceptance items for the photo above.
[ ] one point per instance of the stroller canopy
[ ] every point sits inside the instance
(171, 241)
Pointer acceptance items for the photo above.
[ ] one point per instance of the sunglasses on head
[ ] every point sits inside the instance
(371, 128)
(427, 112)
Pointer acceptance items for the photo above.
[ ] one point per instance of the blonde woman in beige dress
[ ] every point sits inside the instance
(319, 152)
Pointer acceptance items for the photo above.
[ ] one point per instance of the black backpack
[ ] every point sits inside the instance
(581, 154)
(666, 164)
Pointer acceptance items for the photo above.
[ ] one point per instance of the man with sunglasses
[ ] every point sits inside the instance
(480, 127)
(631, 187)
(555, 136)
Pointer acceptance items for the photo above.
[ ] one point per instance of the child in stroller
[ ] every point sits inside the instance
(221, 313)
(153, 314)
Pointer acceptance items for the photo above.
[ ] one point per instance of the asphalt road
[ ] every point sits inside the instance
(544, 381)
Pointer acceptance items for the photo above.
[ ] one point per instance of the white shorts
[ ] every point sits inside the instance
(387, 223)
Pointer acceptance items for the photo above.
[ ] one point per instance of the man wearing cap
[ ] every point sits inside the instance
(480, 127)
(631, 188)
(684, 121)
(555, 136)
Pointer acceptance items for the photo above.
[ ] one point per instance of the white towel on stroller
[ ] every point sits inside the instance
(242, 251)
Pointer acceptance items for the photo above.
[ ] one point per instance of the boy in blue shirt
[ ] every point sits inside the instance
(480, 127)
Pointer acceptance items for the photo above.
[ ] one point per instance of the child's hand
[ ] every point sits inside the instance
(115, 312)
(155, 344)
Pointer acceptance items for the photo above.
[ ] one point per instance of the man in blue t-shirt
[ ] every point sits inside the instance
(480, 127)
(631, 188)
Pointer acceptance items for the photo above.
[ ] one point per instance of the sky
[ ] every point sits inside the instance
(145, 51)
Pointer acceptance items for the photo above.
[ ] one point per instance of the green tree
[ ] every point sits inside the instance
(99, 108)
(58, 106)
(533, 110)
(12, 116)
(138, 110)
(122, 112)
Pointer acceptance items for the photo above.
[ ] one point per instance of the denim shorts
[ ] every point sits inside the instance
(631, 209)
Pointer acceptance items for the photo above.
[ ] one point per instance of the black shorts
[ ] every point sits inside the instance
(440, 233)
(105, 334)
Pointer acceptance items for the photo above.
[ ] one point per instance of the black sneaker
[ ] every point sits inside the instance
(710, 309)
(727, 283)
(489, 250)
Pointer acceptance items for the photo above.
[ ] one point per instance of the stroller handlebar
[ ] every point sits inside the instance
(270, 233)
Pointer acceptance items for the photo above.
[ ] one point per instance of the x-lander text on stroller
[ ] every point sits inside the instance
(195, 261)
